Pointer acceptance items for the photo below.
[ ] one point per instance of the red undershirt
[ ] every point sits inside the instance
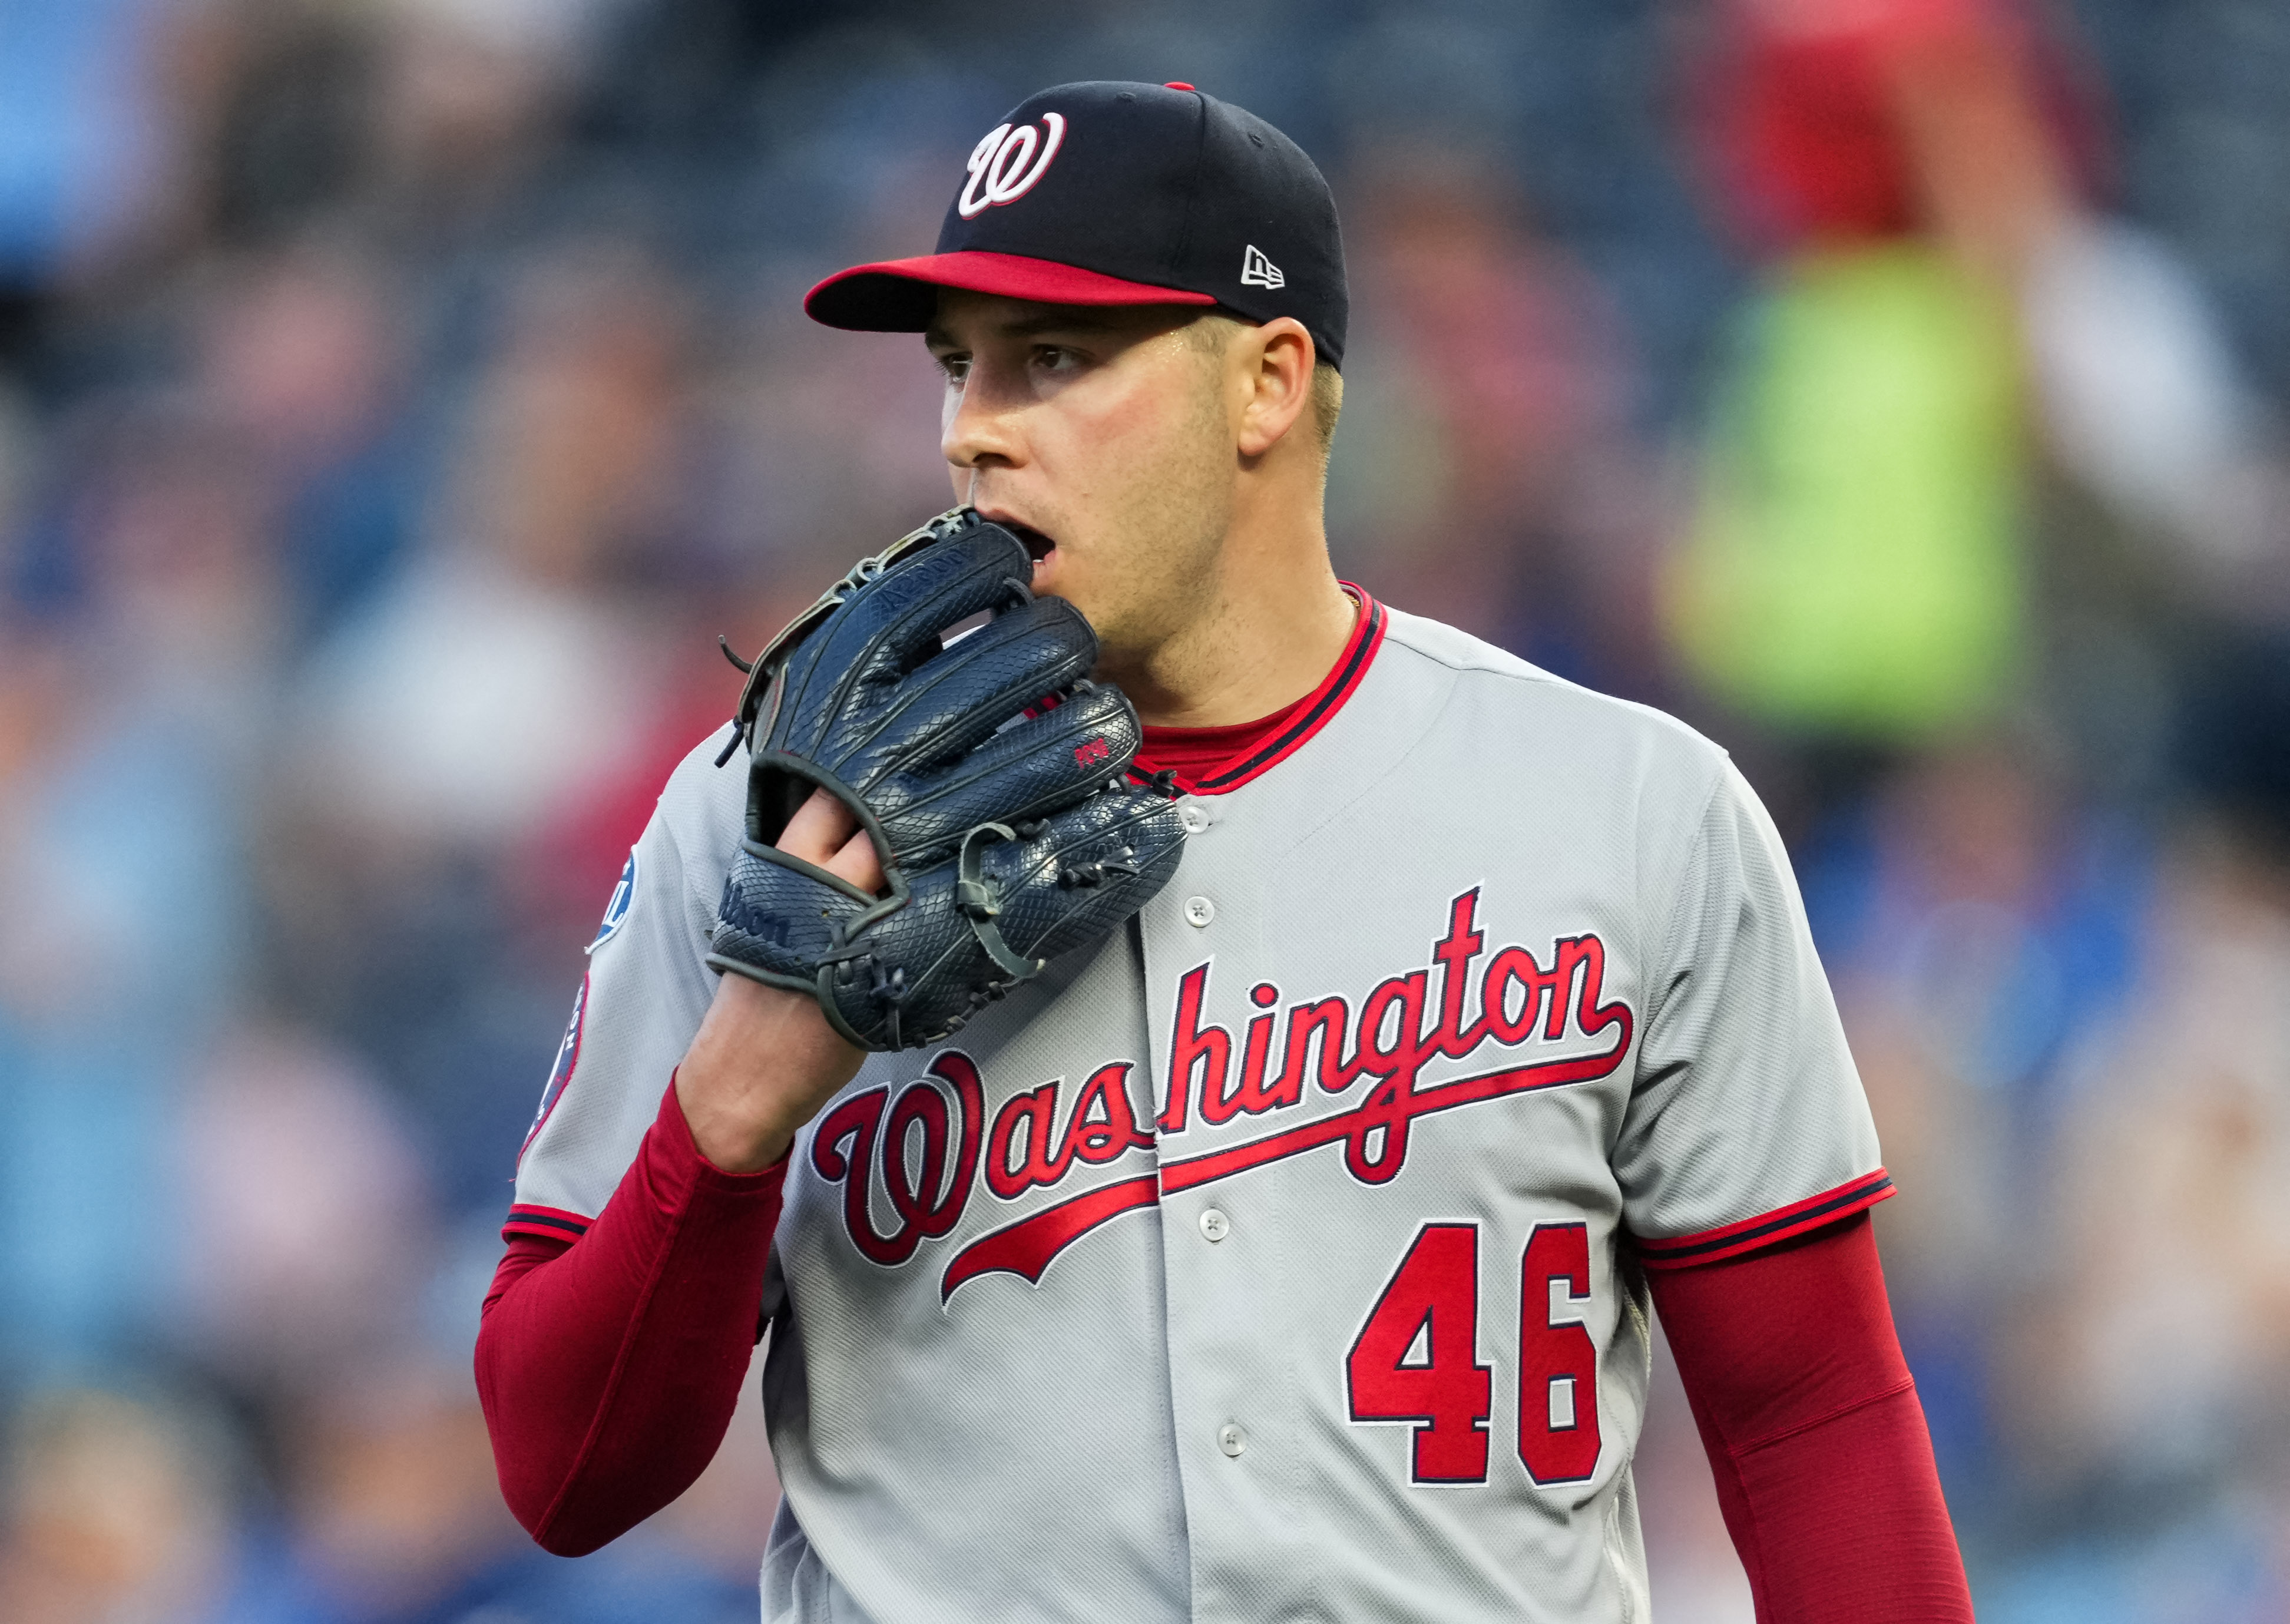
(609, 1365)
(1195, 753)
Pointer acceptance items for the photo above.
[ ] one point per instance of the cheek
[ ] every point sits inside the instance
(1135, 439)
(1155, 502)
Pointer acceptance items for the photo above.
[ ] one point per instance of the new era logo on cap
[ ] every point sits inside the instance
(1131, 194)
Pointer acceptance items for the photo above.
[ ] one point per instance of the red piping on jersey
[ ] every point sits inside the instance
(1768, 1228)
(1307, 716)
(552, 1222)
(1823, 1467)
(554, 1090)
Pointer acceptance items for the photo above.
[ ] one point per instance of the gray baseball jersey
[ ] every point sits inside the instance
(1281, 1258)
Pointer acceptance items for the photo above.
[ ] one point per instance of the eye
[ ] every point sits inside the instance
(955, 365)
(1055, 358)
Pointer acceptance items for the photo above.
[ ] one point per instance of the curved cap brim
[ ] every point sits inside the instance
(901, 295)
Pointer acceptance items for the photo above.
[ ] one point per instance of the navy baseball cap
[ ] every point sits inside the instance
(1108, 193)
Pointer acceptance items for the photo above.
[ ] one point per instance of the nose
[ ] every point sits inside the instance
(982, 425)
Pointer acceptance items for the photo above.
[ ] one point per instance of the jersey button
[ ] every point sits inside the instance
(1216, 1225)
(1199, 910)
(1192, 817)
(1231, 1439)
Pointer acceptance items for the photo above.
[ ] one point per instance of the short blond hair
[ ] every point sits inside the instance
(1327, 404)
(1211, 332)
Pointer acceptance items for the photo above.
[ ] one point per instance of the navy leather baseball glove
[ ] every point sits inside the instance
(988, 770)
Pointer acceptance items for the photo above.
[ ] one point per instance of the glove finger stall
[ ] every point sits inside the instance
(874, 691)
(956, 701)
(1031, 768)
(893, 624)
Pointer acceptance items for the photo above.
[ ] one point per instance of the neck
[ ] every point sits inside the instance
(1272, 624)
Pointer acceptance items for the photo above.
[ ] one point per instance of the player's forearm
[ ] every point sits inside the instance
(1843, 1523)
(609, 1373)
(1815, 1437)
(764, 1059)
(763, 1063)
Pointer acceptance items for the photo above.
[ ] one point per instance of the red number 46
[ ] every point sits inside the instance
(1416, 1359)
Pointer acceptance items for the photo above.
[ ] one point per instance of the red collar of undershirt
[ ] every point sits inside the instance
(1212, 760)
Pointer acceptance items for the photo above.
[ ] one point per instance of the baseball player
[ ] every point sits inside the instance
(1286, 1250)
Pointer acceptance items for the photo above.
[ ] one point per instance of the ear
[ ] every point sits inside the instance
(1272, 373)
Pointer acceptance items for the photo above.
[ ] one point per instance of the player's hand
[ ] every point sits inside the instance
(764, 1061)
(826, 832)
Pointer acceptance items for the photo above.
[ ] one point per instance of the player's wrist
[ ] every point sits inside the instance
(763, 1064)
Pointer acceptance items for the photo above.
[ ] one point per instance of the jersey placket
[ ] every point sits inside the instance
(1229, 1250)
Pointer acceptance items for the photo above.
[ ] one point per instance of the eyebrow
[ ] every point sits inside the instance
(1078, 319)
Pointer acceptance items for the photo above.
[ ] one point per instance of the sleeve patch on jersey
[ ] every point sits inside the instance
(616, 911)
(1732, 1240)
(560, 1074)
(550, 1223)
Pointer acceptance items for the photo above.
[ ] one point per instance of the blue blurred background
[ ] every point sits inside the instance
(398, 397)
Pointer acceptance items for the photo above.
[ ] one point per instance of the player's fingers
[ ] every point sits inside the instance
(820, 828)
(826, 832)
(858, 862)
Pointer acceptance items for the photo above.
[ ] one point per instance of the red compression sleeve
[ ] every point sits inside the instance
(609, 1366)
(1810, 1418)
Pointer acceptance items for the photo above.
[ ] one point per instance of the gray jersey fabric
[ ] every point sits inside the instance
(1489, 995)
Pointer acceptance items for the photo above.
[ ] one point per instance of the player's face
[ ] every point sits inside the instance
(1102, 438)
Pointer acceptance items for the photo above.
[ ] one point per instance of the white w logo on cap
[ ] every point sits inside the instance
(1256, 271)
(1006, 164)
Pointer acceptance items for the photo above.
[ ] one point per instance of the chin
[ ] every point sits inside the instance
(1050, 581)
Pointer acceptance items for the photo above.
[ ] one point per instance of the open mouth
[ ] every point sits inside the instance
(1038, 546)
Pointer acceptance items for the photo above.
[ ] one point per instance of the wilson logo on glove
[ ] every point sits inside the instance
(1091, 752)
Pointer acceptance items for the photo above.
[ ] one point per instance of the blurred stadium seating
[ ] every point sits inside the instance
(397, 398)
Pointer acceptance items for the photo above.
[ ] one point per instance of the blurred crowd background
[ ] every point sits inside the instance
(398, 397)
